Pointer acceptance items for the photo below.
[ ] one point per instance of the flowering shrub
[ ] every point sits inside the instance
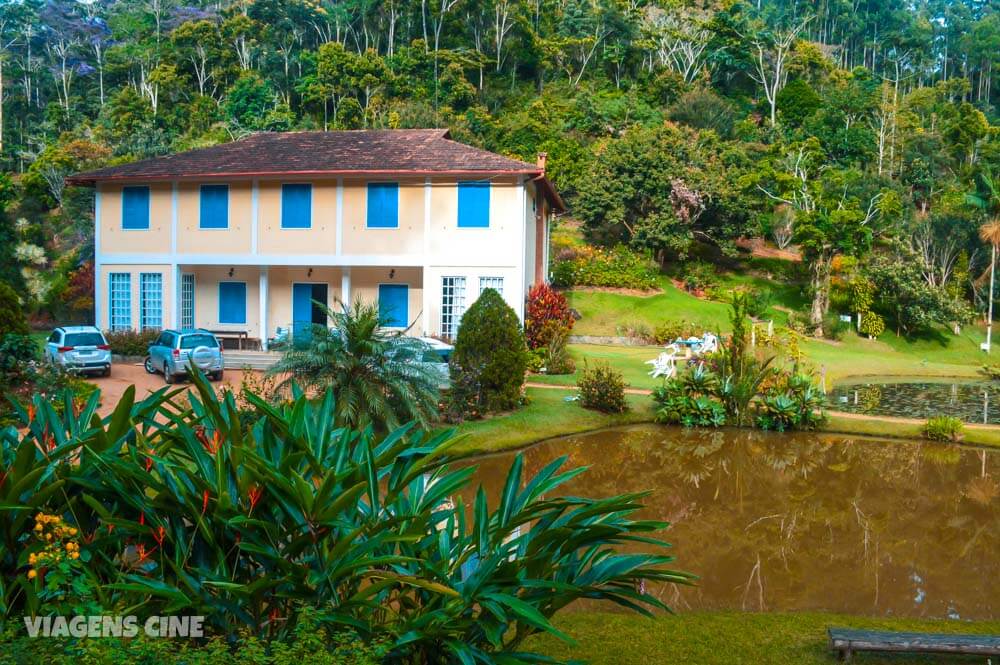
(619, 267)
(603, 389)
(130, 342)
(57, 567)
(872, 325)
(547, 314)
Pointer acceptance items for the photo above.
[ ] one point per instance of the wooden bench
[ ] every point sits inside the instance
(847, 642)
(240, 336)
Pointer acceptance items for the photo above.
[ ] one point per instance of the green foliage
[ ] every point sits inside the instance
(991, 371)
(797, 101)
(699, 277)
(793, 403)
(690, 400)
(195, 513)
(377, 376)
(491, 354)
(834, 328)
(547, 314)
(872, 325)
(602, 388)
(617, 267)
(12, 319)
(557, 358)
(944, 428)
(670, 330)
(904, 296)
(129, 342)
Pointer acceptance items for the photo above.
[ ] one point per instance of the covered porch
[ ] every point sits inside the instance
(248, 307)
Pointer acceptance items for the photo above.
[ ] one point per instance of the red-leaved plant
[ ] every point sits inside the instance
(548, 314)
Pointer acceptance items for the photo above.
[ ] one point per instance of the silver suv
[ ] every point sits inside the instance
(174, 350)
(79, 349)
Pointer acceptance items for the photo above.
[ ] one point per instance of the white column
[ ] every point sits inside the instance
(521, 291)
(254, 214)
(98, 278)
(345, 285)
(339, 249)
(264, 302)
(175, 307)
(425, 315)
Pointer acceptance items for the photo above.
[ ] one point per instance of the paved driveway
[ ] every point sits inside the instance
(125, 375)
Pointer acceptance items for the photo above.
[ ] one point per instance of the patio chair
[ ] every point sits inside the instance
(664, 365)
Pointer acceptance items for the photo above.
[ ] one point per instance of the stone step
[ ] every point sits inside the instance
(259, 360)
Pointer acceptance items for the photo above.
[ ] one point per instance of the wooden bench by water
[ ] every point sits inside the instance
(847, 642)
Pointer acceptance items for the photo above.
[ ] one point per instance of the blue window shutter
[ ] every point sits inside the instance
(232, 302)
(383, 205)
(214, 207)
(135, 207)
(474, 204)
(296, 206)
(394, 304)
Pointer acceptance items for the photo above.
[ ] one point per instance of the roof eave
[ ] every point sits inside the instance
(91, 180)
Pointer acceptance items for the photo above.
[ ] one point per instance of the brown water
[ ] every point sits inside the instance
(803, 521)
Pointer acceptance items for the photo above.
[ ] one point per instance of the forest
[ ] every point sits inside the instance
(857, 133)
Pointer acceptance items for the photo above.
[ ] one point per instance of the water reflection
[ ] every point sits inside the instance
(971, 401)
(803, 521)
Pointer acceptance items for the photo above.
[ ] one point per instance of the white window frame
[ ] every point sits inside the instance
(455, 288)
(120, 300)
(491, 282)
(150, 300)
(187, 300)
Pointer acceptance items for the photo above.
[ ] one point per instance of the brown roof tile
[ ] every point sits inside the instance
(418, 151)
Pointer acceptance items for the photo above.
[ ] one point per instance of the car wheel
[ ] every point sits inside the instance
(217, 376)
(148, 364)
(168, 376)
(107, 371)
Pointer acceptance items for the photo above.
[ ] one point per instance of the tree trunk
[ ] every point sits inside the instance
(820, 280)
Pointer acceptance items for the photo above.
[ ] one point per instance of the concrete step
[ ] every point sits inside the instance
(260, 360)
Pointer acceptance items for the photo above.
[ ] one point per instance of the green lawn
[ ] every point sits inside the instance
(547, 415)
(729, 638)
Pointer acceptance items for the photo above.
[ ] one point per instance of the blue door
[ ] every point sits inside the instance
(306, 312)
(393, 305)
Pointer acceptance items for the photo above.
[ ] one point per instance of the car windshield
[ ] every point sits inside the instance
(194, 341)
(435, 356)
(84, 339)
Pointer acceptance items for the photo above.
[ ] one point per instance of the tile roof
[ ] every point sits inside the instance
(396, 151)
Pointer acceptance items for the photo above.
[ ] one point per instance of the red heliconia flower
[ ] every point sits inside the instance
(159, 534)
(254, 494)
(149, 461)
(142, 519)
(204, 502)
(31, 413)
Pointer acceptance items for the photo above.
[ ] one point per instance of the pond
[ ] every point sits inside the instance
(802, 521)
(971, 401)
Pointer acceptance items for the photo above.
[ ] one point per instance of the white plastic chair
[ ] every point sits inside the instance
(709, 344)
(664, 365)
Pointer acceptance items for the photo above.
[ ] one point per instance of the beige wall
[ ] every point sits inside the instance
(154, 240)
(104, 292)
(280, 280)
(206, 296)
(407, 238)
(365, 283)
(192, 239)
(320, 239)
(498, 245)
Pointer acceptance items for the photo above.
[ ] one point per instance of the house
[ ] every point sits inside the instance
(244, 237)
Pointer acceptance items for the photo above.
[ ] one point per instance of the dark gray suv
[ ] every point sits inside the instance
(175, 350)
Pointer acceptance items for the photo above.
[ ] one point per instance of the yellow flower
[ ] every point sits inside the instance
(72, 531)
(32, 559)
(32, 574)
(48, 536)
(38, 527)
(74, 555)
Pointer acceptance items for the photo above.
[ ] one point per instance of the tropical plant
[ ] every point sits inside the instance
(794, 403)
(491, 354)
(944, 428)
(741, 373)
(602, 388)
(989, 202)
(378, 377)
(557, 358)
(690, 400)
(547, 314)
(193, 512)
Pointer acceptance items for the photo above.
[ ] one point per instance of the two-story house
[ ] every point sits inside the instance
(245, 236)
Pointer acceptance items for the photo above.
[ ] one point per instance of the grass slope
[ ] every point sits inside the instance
(729, 638)
(547, 415)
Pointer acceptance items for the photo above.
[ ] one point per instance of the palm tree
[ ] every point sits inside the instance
(989, 232)
(378, 377)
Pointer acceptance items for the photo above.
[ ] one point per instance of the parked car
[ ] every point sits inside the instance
(437, 356)
(79, 349)
(175, 350)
